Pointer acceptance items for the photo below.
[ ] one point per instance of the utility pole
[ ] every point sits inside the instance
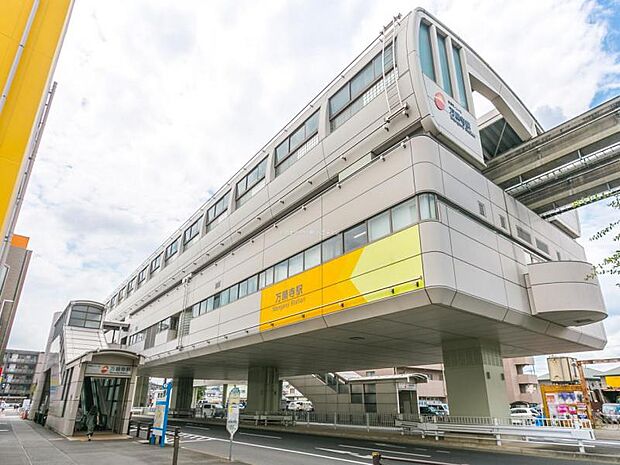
(584, 382)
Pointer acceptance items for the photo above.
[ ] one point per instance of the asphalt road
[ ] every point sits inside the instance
(275, 448)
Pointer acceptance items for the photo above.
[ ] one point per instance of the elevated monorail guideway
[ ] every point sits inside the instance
(559, 170)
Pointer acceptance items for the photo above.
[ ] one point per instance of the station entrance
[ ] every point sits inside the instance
(103, 397)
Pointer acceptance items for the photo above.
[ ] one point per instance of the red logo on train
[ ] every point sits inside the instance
(440, 101)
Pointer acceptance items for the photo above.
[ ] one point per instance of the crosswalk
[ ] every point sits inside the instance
(183, 437)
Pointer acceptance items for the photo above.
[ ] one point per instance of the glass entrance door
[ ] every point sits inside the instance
(107, 396)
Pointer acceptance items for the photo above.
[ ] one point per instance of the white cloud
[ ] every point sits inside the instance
(159, 103)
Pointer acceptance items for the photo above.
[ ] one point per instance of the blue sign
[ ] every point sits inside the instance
(160, 423)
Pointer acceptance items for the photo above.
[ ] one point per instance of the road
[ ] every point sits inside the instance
(280, 448)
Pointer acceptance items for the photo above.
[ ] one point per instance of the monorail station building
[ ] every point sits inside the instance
(378, 229)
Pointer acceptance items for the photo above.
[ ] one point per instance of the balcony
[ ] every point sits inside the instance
(565, 292)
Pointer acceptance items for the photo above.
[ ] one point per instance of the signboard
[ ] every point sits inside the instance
(160, 422)
(563, 401)
(382, 269)
(111, 371)
(232, 417)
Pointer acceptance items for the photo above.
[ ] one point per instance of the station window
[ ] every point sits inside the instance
(332, 247)
(428, 207)
(542, 246)
(192, 232)
(502, 222)
(172, 250)
(355, 237)
(131, 286)
(460, 79)
(297, 144)
(312, 257)
(523, 234)
(142, 275)
(296, 264)
(156, 264)
(426, 52)
(443, 64)
(281, 271)
(251, 183)
(85, 316)
(217, 210)
(482, 209)
(379, 226)
(405, 214)
(362, 88)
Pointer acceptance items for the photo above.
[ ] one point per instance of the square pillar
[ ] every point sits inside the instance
(264, 390)
(182, 393)
(474, 376)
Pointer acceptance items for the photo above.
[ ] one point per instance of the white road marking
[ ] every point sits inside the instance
(385, 450)
(260, 435)
(195, 440)
(391, 445)
(3, 430)
(344, 452)
(279, 449)
(443, 451)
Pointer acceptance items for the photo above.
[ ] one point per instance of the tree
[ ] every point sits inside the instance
(611, 263)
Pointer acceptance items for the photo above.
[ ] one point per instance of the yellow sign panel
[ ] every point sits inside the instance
(29, 85)
(613, 381)
(388, 267)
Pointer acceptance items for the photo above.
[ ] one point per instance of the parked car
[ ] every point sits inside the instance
(523, 416)
(300, 406)
(211, 410)
(432, 410)
(610, 413)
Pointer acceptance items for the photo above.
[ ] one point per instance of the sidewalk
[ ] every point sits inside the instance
(26, 443)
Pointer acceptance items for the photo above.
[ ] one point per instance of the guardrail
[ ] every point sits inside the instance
(576, 430)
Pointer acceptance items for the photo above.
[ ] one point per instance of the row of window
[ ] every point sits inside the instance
(403, 215)
(169, 324)
(361, 89)
(353, 96)
(427, 62)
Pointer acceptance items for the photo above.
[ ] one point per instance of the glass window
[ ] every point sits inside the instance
(379, 226)
(355, 237)
(296, 264)
(224, 297)
(269, 276)
(405, 214)
(210, 304)
(195, 310)
(339, 100)
(426, 53)
(363, 79)
(142, 275)
(298, 142)
(332, 247)
(443, 64)
(261, 280)
(243, 289)
(312, 257)
(203, 307)
(460, 79)
(156, 263)
(216, 301)
(297, 137)
(252, 284)
(253, 178)
(428, 209)
(312, 124)
(172, 249)
(281, 271)
(216, 210)
(192, 231)
(234, 293)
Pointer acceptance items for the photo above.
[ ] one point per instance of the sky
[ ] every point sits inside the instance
(160, 102)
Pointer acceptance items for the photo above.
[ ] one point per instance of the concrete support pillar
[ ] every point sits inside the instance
(182, 393)
(475, 378)
(264, 389)
(141, 394)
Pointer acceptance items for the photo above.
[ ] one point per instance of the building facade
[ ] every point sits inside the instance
(521, 381)
(19, 371)
(367, 233)
(12, 277)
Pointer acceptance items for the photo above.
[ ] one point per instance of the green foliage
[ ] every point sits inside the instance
(610, 264)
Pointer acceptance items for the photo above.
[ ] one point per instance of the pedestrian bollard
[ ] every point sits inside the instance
(376, 458)
(175, 452)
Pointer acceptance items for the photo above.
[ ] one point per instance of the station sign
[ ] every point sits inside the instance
(112, 371)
